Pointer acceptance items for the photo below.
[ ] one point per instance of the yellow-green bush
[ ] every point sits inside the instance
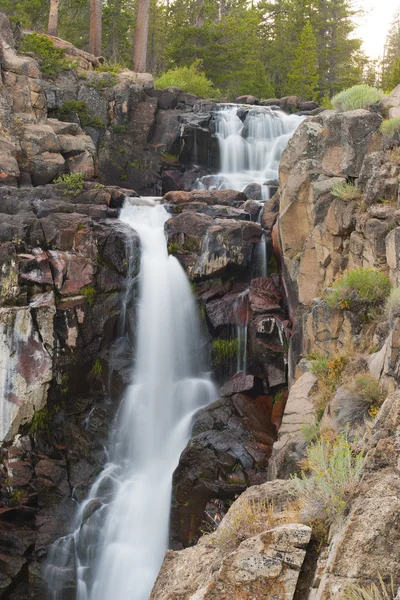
(189, 79)
(390, 126)
(358, 96)
(361, 288)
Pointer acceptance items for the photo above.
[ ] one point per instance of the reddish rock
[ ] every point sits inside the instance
(241, 383)
(257, 414)
(36, 269)
(264, 295)
(231, 309)
(279, 409)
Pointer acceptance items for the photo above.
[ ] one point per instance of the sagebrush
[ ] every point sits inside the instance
(331, 471)
(346, 191)
(374, 591)
(358, 96)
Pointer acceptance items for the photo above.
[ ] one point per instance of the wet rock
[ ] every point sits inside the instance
(265, 295)
(222, 197)
(241, 384)
(220, 459)
(253, 191)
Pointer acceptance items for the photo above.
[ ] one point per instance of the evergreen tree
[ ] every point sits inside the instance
(303, 78)
(391, 56)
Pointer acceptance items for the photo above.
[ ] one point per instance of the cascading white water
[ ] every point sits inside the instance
(121, 529)
(250, 147)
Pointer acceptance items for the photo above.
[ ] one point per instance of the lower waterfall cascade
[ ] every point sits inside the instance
(121, 530)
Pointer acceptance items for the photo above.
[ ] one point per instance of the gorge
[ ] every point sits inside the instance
(170, 349)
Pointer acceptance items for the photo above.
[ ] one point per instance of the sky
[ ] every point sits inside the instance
(375, 24)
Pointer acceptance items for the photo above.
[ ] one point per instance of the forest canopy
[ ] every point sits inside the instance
(272, 48)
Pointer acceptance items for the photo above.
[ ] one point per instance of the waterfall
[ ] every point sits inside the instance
(251, 142)
(121, 530)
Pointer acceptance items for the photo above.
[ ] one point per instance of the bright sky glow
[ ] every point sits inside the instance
(374, 26)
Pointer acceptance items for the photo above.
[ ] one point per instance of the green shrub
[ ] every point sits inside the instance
(358, 96)
(390, 126)
(372, 592)
(330, 473)
(119, 128)
(392, 306)
(106, 80)
(224, 350)
(189, 79)
(73, 183)
(346, 191)
(359, 289)
(78, 108)
(113, 68)
(51, 60)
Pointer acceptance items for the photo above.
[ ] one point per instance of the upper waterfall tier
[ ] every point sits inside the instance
(251, 143)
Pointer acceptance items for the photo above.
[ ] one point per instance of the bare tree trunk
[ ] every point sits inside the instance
(95, 27)
(141, 35)
(53, 18)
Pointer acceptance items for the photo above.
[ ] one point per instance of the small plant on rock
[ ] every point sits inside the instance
(89, 293)
(329, 374)
(330, 473)
(51, 60)
(224, 350)
(358, 96)
(360, 289)
(346, 191)
(390, 126)
(73, 183)
(358, 399)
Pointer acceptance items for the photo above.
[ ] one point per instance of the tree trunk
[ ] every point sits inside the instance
(141, 35)
(53, 18)
(95, 27)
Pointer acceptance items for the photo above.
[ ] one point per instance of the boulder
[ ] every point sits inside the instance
(247, 100)
(267, 563)
(229, 438)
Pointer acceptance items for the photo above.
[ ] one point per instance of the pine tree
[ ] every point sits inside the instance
(303, 78)
(95, 27)
(53, 18)
(391, 57)
(141, 37)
